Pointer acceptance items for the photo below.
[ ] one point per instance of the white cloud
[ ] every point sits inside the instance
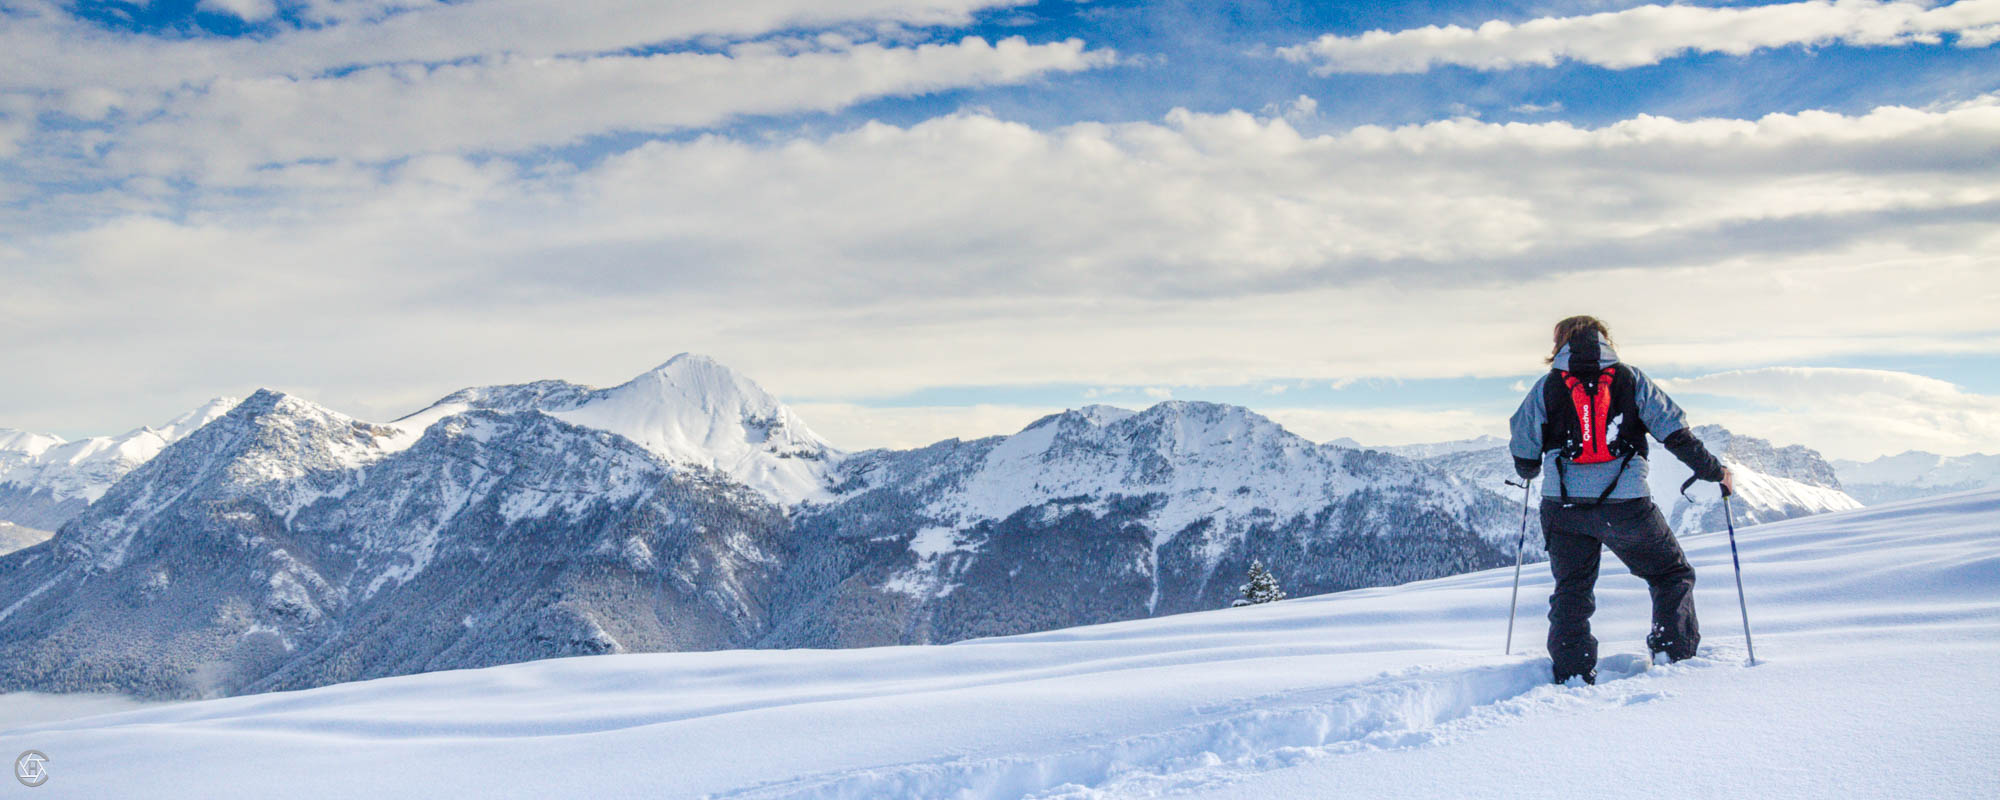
(1300, 110)
(1650, 34)
(351, 11)
(1229, 204)
(43, 46)
(1979, 37)
(511, 104)
(1205, 250)
(384, 79)
(246, 10)
(12, 132)
(91, 104)
(1854, 413)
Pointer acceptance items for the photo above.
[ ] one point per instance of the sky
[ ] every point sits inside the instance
(917, 219)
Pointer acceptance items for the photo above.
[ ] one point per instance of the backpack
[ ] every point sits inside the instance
(1582, 403)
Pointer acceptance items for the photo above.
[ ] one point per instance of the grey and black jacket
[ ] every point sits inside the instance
(1662, 418)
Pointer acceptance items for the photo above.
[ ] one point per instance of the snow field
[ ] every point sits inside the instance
(1879, 629)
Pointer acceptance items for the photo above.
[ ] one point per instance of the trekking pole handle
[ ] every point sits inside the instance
(1689, 483)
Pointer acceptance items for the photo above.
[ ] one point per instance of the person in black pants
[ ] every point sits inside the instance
(1585, 424)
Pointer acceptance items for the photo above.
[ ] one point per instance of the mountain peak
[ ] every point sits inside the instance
(694, 410)
(691, 409)
(262, 401)
(1204, 420)
(698, 378)
(1101, 415)
(691, 361)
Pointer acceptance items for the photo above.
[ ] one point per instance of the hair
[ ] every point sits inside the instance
(1569, 328)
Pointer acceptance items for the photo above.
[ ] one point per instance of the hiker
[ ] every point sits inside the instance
(1585, 424)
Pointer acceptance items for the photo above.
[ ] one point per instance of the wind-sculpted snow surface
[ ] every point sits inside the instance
(1877, 631)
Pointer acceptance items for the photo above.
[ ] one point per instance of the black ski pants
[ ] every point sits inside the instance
(1636, 532)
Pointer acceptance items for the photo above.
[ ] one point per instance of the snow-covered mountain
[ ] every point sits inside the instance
(285, 545)
(690, 410)
(1772, 483)
(45, 480)
(1917, 474)
(1102, 513)
(1436, 449)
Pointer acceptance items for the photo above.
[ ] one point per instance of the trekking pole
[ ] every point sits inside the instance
(1519, 544)
(1736, 561)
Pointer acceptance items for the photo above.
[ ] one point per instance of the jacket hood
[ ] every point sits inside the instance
(1606, 356)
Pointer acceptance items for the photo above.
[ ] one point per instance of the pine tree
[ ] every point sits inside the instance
(1261, 588)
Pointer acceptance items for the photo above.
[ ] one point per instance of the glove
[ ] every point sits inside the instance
(1527, 468)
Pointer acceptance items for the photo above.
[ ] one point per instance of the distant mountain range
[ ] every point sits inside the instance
(1917, 474)
(1772, 483)
(45, 480)
(274, 543)
(284, 545)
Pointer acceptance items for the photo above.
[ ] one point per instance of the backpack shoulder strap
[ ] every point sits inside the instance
(1632, 430)
(1557, 412)
(1625, 388)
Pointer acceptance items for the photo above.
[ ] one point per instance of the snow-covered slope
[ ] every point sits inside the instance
(690, 410)
(1123, 514)
(1772, 483)
(1207, 460)
(1876, 632)
(1433, 450)
(87, 467)
(22, 447)
(694, 410)
(1917, 474)
(288, 545)
(15, 537)
(45, 480)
